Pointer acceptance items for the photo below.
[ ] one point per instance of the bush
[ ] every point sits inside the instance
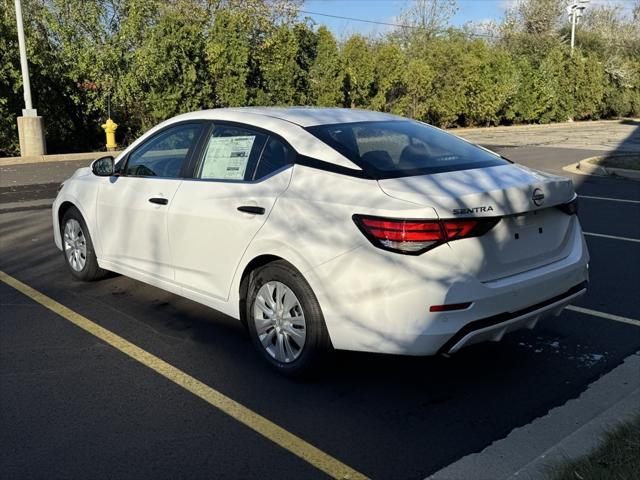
(155, 59)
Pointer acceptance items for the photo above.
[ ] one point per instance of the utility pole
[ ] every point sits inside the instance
(575, 12)
(30, 125)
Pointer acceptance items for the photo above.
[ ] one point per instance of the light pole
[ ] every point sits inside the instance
(30, 128)
(575, 11)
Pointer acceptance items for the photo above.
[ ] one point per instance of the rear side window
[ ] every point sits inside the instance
(276, 155)
(164, 154)
(231, 153)
(401, 148)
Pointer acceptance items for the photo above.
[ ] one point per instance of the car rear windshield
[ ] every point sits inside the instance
(402, 148)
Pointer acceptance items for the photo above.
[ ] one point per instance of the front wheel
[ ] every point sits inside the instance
(285, 321)
(77, 247)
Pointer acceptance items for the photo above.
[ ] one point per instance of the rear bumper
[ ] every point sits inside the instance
(493, 328)
(381, 304)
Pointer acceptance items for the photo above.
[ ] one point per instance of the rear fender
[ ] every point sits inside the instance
(277, 249)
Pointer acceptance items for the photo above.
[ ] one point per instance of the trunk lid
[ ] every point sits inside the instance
(506, 189)
(531, 233)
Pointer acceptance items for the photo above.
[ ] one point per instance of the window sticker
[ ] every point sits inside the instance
(227, 157)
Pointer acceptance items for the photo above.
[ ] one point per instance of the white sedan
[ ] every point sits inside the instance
(329, 228)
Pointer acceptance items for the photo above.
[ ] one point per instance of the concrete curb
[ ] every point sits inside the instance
(624, 172)
(566, 432)
(587, 168)
(63, 157)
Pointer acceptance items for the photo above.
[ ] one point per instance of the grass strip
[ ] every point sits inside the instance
(617, 458)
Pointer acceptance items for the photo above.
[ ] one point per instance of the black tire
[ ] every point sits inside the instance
(90, 271)
(315, 354)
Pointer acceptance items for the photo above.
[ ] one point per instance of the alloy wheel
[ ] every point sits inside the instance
(75, 245)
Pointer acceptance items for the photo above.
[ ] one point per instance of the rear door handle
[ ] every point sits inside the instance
(251, 209)
(159, 201)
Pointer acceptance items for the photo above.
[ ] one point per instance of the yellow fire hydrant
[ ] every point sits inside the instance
(110, 129)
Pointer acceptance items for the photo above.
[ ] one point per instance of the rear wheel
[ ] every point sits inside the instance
(285, 321)
(77, 247)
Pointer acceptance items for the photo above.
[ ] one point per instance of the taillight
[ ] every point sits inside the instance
(570, 208)
(413, 237)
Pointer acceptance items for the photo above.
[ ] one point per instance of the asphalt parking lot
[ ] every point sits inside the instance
(73, 406)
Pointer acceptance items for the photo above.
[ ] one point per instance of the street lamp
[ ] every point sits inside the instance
(30, 129)
(575, 11)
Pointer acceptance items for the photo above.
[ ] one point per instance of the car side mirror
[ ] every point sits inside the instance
(103, 166)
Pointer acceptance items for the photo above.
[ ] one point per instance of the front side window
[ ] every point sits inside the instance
(231, 154)
(400, 148)
(164, 154)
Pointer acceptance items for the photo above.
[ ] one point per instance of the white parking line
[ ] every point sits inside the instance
(608, 316)
(613, 237)
(610, 199)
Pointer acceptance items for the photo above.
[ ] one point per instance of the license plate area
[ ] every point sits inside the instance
(526, 225)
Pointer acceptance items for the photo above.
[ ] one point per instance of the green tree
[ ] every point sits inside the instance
(168, 69)
(153, 59)
(532, 96)
(307, 41)
(417, 102)
(589, 80)
(491, 84)
(359, 72)
(448, 59)
(558, 85)
(10, 84)
(227, 53)
(55, 92)
(279, 69)
(325, 82)
(390, 77)
(622, 90)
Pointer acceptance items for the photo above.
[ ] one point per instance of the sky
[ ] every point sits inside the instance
(387, 11)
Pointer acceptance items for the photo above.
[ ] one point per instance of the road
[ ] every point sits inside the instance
(72, 406)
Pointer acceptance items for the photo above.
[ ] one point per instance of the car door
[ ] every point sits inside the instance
(214, 216)
(132, 205)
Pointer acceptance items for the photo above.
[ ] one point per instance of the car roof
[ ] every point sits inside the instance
(302, 116)
(287, 122)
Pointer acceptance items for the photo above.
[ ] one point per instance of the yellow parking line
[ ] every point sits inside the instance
(251, 419)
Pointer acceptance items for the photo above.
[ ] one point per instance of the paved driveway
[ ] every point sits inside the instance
(74, 406)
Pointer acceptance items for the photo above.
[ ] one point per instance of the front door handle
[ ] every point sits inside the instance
(251, 209)
(159, 201)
